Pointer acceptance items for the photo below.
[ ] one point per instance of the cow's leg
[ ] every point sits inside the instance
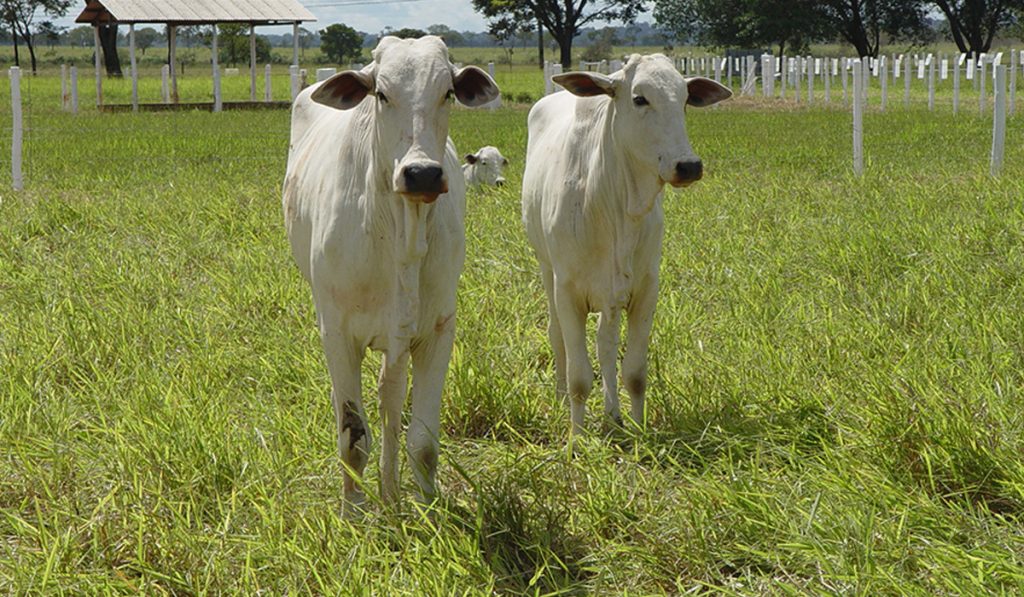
(640, 318)
(555, 332)
(354, 438)
(572, 317)
(607, 358)
(393, 387)
(429, 364)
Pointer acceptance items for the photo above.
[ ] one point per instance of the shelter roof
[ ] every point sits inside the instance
(194, 12)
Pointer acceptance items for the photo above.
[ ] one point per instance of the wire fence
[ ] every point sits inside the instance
(51, 142)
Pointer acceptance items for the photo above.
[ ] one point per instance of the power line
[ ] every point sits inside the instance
(343, 3)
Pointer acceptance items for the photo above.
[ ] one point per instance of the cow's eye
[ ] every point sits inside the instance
(640, 100)
(381, 97)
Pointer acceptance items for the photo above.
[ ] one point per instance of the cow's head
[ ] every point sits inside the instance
(648, 96)
(412, 85)
(488, 164)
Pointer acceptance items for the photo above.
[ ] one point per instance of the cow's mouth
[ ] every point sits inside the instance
(423, 197)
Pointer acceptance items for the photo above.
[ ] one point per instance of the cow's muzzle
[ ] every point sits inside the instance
(422, 182)
(687, 173)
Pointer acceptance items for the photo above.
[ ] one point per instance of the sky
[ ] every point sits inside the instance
(371, 16)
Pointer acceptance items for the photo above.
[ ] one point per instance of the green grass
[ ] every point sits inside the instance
(835, 375)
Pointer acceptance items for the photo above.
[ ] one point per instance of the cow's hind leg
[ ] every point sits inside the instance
(555, 332)
(392, 387)
(639, 319)
(607, 357)
(572, 317)
(429, 364)
(354, 437)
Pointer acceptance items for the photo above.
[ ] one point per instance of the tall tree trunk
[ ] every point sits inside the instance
(540, 43)
(565, 53)
(108, 41)
(31, 51)
(14, 37)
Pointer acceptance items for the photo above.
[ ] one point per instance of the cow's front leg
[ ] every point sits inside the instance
(392, 388)
(572, 316)
(607, 358)
(430, 358)
(639, 319)
(354, 438)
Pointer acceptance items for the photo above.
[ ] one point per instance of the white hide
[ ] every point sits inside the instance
(597, 159)
(382, 259)
(485, 167)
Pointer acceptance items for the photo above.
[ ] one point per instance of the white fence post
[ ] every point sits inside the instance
(218, 100)
(844, 63)
(982, 87)
(74, 90)
(322, 74)
(267, 90)
(16, 129)
(63, 87)
(906, 81)
(956, 83)
(931, 81)
(1012, 99)
(883, 71)
(999, 120)
(548, 90)
(827, 73)
(811, 63)
(293, 75)
(165, 72)
(858, 119)
(134, 67)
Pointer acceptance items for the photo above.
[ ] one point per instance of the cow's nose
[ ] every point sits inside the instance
(690, 171)
(500, 182)
(423, 179)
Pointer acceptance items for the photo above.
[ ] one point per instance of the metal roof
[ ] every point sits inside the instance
(194, 11)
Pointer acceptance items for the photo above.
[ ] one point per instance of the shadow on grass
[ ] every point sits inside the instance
(523, 537)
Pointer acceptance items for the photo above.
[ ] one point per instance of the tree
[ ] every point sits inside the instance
(563, 19)
(791, 24)
(108, 42)
(407, 33)
(974, 23)
(452, 38)
(79, 37)
(49, 32)
(18, 14)
(862, 22)
(145, 38)
(341, 43)
(233, 44)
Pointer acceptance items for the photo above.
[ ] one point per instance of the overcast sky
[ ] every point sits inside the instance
(371, 16)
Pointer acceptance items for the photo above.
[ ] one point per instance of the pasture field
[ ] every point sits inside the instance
(836, 375)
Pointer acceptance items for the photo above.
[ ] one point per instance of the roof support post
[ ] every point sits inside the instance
(99, 79)
(135, 70)
(217, 101)
(172, 40)
(252, 62)
(295, 43)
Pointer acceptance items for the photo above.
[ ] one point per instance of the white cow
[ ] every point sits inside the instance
(485, 167)
(374, 202)
(597, 160)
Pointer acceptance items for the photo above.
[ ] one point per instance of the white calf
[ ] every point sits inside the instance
(485, 167)
(597, 160)
(374, 202)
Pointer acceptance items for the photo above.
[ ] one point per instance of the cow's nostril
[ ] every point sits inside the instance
(689, 171)
(422, 179)
(500, 182)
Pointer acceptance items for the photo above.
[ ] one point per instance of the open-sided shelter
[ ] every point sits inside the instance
(191, 12)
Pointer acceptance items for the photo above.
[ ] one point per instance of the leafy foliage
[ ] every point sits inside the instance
(341, 43)
(233, 45)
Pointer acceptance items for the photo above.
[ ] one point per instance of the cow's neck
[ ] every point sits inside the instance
(623, 193)
(391, 216)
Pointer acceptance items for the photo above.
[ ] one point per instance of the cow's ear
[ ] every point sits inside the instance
(474, 87)
(471, 158)
(703, 92)
(586, 84)
(344, 90)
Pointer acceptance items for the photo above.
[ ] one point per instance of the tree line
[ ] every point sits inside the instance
(782, 24)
